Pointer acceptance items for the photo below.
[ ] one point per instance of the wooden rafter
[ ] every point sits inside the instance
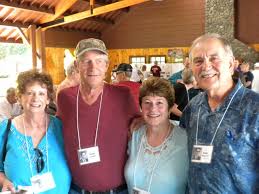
(25, 39)
(98, 2)
(61, 7)
(26, 6)
(11, 40)
(94, 19)
(87, 14)
(14, 24)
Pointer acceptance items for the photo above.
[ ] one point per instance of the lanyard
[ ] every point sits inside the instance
(77, 119)
(157, 158)
(27, 145)
(197, 130)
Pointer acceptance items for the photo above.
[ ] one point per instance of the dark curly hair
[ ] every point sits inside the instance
(155, 86)
(31, 76)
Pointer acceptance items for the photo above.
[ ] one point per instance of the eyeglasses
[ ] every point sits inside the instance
(39, 162)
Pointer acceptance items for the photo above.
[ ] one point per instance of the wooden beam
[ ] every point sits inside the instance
(26, 39)
(87, 14)
(61, 7)
(41, 47)
(32, 30)
(98, 2)
(14, 24)
(11, 40)
(26, 6)
(101, 20)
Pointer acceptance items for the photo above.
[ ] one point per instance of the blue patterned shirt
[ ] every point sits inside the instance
(235, 161)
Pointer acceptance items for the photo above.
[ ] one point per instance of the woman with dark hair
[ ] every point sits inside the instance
(32, 157)
(158, 161)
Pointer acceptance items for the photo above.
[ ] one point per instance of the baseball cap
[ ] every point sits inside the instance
(123, 67)
(90, 44)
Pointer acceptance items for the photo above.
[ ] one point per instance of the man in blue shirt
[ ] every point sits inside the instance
(177, 77)
(222, 124)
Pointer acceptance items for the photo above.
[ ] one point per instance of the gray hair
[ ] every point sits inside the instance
(226, 45)
(71, 68)
(187, 76)
(10, 91)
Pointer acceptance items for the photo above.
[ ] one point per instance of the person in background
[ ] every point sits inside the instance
(34, 146)
(9, 108)
(123, 75)
(145, 73)
(255, 85)
(222, 123)
(177, 77)
(247, 75)
(96, 118)
(158, 159)
(72, 78)
(184, 92)
(156, 70)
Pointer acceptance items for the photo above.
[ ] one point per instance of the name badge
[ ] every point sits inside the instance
(42, 182)
(88, 155)
(202, 153)
(139, 191)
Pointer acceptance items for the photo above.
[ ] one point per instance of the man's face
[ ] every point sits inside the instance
(92, 68)
(187, 62)
(211, 66)
(11, 98)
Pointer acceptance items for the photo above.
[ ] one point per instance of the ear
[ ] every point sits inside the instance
(232, 64)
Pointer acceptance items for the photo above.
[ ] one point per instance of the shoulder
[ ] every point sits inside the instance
(180, 133)
(116, 89)
(249, 101)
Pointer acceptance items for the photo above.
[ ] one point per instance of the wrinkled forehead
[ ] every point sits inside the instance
(207, 48)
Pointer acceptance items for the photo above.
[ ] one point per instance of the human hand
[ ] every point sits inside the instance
(136, 123)
(8, 186)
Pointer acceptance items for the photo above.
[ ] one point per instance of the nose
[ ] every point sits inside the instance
(207, 64)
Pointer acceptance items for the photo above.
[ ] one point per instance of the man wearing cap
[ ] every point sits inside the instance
(123, 75)
(88, 113)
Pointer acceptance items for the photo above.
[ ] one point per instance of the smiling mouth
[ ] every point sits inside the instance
(35, 105)
(153, 115)
(208, 75)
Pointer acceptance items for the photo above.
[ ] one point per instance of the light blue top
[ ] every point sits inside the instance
(234, 167)
(170, 173)
(173, 79)
(17, 167)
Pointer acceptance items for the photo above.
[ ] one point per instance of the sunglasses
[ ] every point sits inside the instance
(39, 161)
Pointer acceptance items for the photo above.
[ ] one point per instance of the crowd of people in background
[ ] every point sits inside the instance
(195, 132)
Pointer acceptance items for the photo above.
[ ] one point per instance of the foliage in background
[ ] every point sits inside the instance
(12, 49)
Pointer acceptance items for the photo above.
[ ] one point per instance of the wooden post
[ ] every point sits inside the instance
(40, 40)
(32, 31)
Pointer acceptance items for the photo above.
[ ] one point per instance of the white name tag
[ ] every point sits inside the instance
(202, 153)
(43, 182)
(88, 155)
(139, 191)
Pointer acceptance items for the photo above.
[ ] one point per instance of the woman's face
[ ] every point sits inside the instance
(155, 110)
(35, 99)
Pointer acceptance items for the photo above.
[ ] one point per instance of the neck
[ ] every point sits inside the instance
(157, 135)
(217, 96)
(35, 120)
(90, 94)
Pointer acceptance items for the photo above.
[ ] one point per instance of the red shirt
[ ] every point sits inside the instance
(155, 69)
(118, 109)
(134, 88)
